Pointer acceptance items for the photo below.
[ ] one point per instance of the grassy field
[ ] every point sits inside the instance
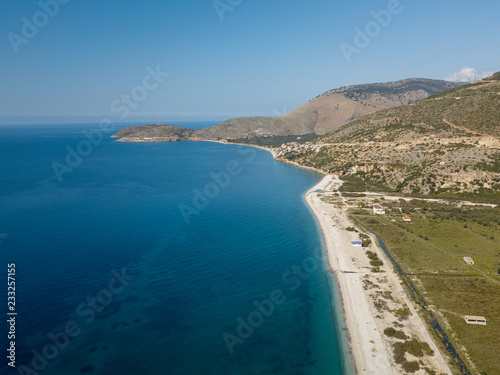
(459, 296)
(431, 248)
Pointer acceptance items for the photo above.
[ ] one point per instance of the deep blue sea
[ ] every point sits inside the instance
(174, 258)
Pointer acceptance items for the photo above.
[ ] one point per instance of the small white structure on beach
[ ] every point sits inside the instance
(471, 319)
(469, 260)
(379, 210)
(357, 243)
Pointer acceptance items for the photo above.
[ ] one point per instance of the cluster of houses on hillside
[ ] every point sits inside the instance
(294, 146)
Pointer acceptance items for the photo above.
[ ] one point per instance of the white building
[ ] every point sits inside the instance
(379, 210)
(470, 319)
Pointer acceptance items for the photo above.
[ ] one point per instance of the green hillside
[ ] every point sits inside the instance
(472, 109)
(446, 146)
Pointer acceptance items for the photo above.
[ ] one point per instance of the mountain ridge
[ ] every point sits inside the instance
(445, 145)
(325, 113)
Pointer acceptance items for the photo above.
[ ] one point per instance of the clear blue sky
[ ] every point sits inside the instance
(263, 57)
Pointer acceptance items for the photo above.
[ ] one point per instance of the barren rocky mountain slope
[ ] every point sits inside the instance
(445, 145)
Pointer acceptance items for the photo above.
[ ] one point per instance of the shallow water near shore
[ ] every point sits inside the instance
(246, 251)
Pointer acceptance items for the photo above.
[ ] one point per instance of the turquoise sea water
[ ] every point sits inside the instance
(232, 283)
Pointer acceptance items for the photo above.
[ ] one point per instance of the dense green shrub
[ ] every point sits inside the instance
(399, 352)
(427, 349)
(411, 366)
(414, 347)
(391, 332)
(402, 313)
(400, 335)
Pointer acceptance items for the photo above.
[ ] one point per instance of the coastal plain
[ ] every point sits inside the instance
(365, 293)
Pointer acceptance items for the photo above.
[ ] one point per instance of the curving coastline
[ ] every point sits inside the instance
(371, 349)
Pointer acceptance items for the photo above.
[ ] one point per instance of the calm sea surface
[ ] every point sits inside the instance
(175, 258)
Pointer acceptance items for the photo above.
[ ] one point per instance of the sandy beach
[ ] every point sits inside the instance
(360, 289)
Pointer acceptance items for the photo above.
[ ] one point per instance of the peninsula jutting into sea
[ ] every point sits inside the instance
(408, 209)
